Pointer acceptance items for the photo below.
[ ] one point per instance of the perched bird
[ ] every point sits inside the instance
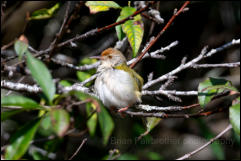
(117, 85)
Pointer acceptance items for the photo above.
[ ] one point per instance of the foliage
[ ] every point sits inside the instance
(98, 6)
(234, 116)
(21, 140)
(210, 88)
(133, 29)
(44, 13)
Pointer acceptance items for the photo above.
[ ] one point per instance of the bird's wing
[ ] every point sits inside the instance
(139, 80)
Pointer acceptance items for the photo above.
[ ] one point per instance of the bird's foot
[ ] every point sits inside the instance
(122, 110)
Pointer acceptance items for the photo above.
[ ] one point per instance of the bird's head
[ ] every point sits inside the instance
(111, 57)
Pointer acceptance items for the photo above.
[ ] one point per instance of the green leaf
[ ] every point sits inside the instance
(128, 156)
(127, 11)
(7, 114)
(45, 127)
(65, 83)
(211, 87)
(20, 101)
(81, 96)
(86, 74)
(151, 122)
(44, 13)
(83, 76)
(234, 116)
(60, 121)
(21, 140)
(36, 154)
(133, 29)
(88, 61)
(119, 31)
(218, 149)
(42, 76)
(98, 6)
(92, 121)
(106, 124)
(154, 156)
(20, 47)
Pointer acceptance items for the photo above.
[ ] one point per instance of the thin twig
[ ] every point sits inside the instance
(4, 47)
(159, 34)
(99, 30)
(76, 152)
(163, 109)
(172, 92)
(155, 54)
(143, 135)
(156, 14)
(224, 65)
(88, 34)
(60, 33)
(186, 156)
(150, 18)
(189, 64)
(163, 115)
(78, 68)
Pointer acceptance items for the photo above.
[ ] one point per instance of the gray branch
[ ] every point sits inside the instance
(202, 55)
(80, 88)
(173, 92)
(162, 109)
(155, 54)
(79, 68)
(20, 87)
(186, 156)
(224, 65)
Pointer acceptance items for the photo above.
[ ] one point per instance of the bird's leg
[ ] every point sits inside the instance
(123, 109)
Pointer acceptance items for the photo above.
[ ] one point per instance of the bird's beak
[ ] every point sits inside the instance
(95, 57)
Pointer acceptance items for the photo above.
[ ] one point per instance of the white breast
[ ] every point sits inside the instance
(115, 88)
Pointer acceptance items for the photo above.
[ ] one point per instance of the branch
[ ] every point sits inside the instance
(163, 115)
(78, 68)
(173, 92)
(90, 33)
(156, 14)
(76, 152)
(99, 30)
(77, 87)
(186, 156)
(167, 83)
(60, 33)
(20, 87)
(155, 54)
(224, 65)
(154, 19)
(93, 77)
(159, 34)
(36, 89)
(162, 109)
(184, 65)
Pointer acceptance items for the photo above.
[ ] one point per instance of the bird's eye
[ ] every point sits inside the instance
(109, 56)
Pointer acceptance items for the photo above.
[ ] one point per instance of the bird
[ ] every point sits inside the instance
(117, 85)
